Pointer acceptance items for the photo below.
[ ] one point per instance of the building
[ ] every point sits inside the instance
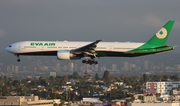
(38, 103)
(91, 100)
(24, 101)
(153, 104)
(149, 98)
(53, 74)
(163, 88)
(58, 67)
(146, 65)
(126, 66)
(71, 67)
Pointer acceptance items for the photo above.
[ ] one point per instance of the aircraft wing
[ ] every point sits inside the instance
(89, 48)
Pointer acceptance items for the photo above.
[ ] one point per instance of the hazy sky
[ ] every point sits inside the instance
(89, 20)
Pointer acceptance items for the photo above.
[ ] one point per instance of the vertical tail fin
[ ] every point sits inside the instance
(160, 38)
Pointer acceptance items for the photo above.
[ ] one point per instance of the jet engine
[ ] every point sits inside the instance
(67, 55)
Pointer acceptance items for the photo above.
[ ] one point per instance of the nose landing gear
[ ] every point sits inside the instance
(18, 60)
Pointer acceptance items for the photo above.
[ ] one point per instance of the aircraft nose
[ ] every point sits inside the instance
(8, 49)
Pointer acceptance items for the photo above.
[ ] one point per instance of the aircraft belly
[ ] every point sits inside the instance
(120, 54)
(39, 53)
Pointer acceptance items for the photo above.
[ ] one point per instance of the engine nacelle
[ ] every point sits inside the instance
(66, 55)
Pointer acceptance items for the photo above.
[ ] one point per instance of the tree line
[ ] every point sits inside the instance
(85, 85)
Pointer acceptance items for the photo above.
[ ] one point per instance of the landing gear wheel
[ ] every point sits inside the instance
(18, 60)
(83, 61)
(95, 62)
(90, 61)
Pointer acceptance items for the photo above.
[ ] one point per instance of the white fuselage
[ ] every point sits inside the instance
(47, 46)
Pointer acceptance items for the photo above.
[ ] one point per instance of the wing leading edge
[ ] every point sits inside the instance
(87, 49)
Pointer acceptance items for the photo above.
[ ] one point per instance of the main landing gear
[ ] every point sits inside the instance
(90, 62)
(18, 59)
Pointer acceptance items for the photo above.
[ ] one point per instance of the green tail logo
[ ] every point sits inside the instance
(158, 42)
(162, 33)
(160, 38)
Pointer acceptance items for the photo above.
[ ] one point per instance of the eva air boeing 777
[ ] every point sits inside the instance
(71, 50)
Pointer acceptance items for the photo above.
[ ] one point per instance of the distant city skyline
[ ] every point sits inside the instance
(33, 66)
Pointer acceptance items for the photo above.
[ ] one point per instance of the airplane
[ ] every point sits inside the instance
(71, 50)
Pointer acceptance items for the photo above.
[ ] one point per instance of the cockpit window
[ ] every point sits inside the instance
(10, 46)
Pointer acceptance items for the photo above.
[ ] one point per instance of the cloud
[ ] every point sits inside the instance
(147, 20)
(2, 32)
(152, 20)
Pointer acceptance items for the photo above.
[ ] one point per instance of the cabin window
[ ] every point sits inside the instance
(101, 47)
(72, 47)
(122, 48)
(29, 46)
(51, 47)
(117, 48)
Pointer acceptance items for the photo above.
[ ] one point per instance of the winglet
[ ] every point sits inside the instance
(97, 41)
